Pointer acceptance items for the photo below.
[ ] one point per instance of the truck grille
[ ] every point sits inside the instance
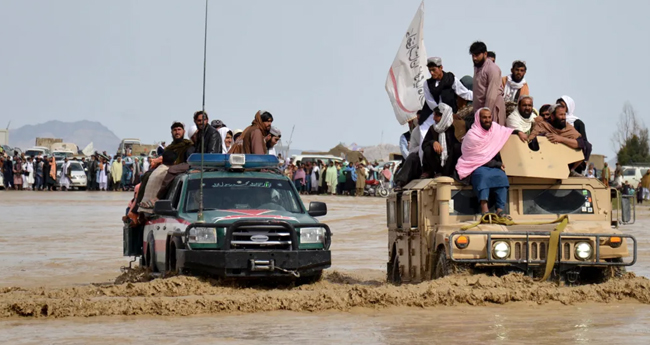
(261, 237)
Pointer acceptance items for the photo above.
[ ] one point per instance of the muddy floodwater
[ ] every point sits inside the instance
(62, 252)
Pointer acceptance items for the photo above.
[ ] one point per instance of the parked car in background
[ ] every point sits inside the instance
(79, 179)
(37, 151)
(633, 174)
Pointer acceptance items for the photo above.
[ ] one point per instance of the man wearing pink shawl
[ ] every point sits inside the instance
(488, 90)
(481, 161)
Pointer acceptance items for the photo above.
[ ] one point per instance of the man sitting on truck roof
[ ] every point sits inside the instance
(523, 118)
(181, 146)
(440, 147)
(208, 139)
(481, 160)
(557, 130)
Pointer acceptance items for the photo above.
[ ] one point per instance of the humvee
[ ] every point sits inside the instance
(435, 229)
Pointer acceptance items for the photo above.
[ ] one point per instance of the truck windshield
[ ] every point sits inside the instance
(242, 194)
(557, 201)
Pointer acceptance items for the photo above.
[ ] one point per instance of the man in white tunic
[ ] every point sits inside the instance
(64, 178)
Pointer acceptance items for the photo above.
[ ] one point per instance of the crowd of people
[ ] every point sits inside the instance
(337, 178)
(464, 123)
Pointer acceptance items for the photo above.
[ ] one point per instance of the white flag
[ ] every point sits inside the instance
(408, 72)
(89, 150)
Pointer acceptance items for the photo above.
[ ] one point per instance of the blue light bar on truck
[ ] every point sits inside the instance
(227, 161)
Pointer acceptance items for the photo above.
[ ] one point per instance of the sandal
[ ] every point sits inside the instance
(504, 215)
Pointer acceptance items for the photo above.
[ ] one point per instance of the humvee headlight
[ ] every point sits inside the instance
(203, 235)
(501, 250)
(583, 251)
(312, 235)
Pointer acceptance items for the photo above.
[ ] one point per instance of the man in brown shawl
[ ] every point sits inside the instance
(181, 146)
(488, 92)
(558, 131)
(251, 141)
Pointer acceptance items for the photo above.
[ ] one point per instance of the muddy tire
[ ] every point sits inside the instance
(445, 267)
(170, 260)
(309, 279)
(393, 275)
(597, 275)
(151, 257)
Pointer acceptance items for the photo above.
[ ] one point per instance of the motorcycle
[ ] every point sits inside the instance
(376, 188)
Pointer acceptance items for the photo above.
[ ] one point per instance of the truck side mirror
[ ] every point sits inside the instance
(317, 209)
(164, 208)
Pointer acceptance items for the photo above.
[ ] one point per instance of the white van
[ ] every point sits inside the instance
(326, 159)
(633, 174)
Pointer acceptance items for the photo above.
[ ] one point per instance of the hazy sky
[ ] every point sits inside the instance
(136, 66)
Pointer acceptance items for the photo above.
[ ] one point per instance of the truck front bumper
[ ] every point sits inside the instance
(528, 249)
(254, 263)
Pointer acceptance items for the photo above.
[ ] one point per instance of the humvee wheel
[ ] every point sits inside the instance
(444, 266)
(597, 275)
(393, 274)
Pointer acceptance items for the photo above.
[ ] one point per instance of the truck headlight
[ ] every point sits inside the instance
(583, 251)
(501, 250)
(203, 235)
(312, 235)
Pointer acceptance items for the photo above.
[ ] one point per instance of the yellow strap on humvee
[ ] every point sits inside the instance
(551, 255)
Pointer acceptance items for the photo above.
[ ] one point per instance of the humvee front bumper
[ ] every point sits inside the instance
(529, 248)
(256, 260)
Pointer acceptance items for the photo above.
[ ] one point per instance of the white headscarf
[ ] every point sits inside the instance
(516, 121)
(571, 105)
(222, 132)
(440, 128)
(511, 88)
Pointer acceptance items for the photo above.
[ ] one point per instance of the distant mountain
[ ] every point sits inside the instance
(80, 133)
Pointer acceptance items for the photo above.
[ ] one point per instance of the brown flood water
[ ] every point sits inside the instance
(56, 244)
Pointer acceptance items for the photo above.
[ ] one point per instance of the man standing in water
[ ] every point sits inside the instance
(487, 88)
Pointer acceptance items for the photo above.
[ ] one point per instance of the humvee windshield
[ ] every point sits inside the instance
(242, 194)
(557, 201)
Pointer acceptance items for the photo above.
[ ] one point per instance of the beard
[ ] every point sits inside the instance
(559, 124)
(479, 63)
(486, 126)
(515, 79)
(525, 114)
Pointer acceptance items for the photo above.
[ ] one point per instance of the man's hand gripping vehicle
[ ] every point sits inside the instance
(255, 226)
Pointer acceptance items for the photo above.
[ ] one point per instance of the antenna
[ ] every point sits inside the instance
(9, 124)
(286, 153)
(205, 54)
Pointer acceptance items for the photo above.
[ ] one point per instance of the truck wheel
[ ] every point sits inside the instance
(597, 275)
(394, 275)
(309, 279)
(172, 267)
(151, 257)
(445, 267)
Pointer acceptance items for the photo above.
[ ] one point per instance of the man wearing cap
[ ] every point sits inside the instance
(181, 146)
(272, 139)
(442, 87)
(208, 140)
(217, 124)
(514, 85)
